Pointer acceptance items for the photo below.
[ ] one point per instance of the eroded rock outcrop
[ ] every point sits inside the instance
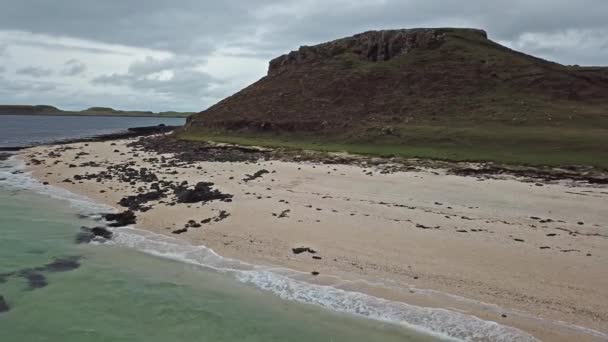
(371, 46)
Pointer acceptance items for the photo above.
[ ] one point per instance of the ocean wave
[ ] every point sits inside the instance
(442, 323)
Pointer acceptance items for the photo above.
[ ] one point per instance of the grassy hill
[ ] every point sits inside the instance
(437, 93)
(93, 111)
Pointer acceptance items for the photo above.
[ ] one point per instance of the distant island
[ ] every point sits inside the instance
(93, 111)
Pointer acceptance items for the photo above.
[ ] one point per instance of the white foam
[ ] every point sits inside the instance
(439, 322)
(442, 323)
(13, 176)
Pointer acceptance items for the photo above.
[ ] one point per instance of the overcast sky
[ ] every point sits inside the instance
(188, 54)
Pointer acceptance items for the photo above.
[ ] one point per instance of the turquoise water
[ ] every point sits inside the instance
(122, 294)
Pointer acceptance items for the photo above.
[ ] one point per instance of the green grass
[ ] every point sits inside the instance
(537, 146)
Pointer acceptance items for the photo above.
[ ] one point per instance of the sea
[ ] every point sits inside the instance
(147, 287)
(24, 130)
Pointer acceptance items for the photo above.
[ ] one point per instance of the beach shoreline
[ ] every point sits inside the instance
(400, 232)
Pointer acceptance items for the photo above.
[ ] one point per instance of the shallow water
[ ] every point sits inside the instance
(122, 294)
(24, 130)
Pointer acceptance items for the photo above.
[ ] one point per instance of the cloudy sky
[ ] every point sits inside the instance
(188, 54)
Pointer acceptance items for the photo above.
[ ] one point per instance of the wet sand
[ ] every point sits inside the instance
(523, 254)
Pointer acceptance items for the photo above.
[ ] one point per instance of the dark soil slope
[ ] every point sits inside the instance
(389, 80)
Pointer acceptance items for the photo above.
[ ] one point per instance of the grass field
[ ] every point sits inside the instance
(551, 146)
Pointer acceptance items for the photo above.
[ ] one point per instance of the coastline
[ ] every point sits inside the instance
(409, 254)
(118, 115)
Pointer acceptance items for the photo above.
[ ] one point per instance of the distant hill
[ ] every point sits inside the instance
(405, 77)
(96, 111)
(449, 91)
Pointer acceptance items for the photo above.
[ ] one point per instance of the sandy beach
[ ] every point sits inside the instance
(527, 254)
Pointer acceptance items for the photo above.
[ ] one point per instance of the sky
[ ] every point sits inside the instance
(186, 55)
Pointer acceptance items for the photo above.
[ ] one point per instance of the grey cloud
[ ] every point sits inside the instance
(502, 20)
(36, 72)
(8, 86)
(184, 81)
(151, 65)
(188, 25)
(267, 28)
(20, 92)
(194, 30)
(193, 26)
(73, 67)
(2, 69)
(67, 47)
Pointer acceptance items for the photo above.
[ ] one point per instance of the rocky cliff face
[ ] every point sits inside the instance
(372, 46)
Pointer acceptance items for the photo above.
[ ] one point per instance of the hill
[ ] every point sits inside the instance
(93, 111)
(440, 93)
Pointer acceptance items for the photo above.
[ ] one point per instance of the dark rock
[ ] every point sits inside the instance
(300, 250)
(63, 264)
(4, 305)
(202, 192)
(284, 213)
(102, 232)
(256, 175)
(5, 276)
(180, 231)
(121, 219)
(136, 202)
(5, 156)
(87, 234)
(316, 257)
(193, 224)
(315, 273)
(222, 215)
(34, 279)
